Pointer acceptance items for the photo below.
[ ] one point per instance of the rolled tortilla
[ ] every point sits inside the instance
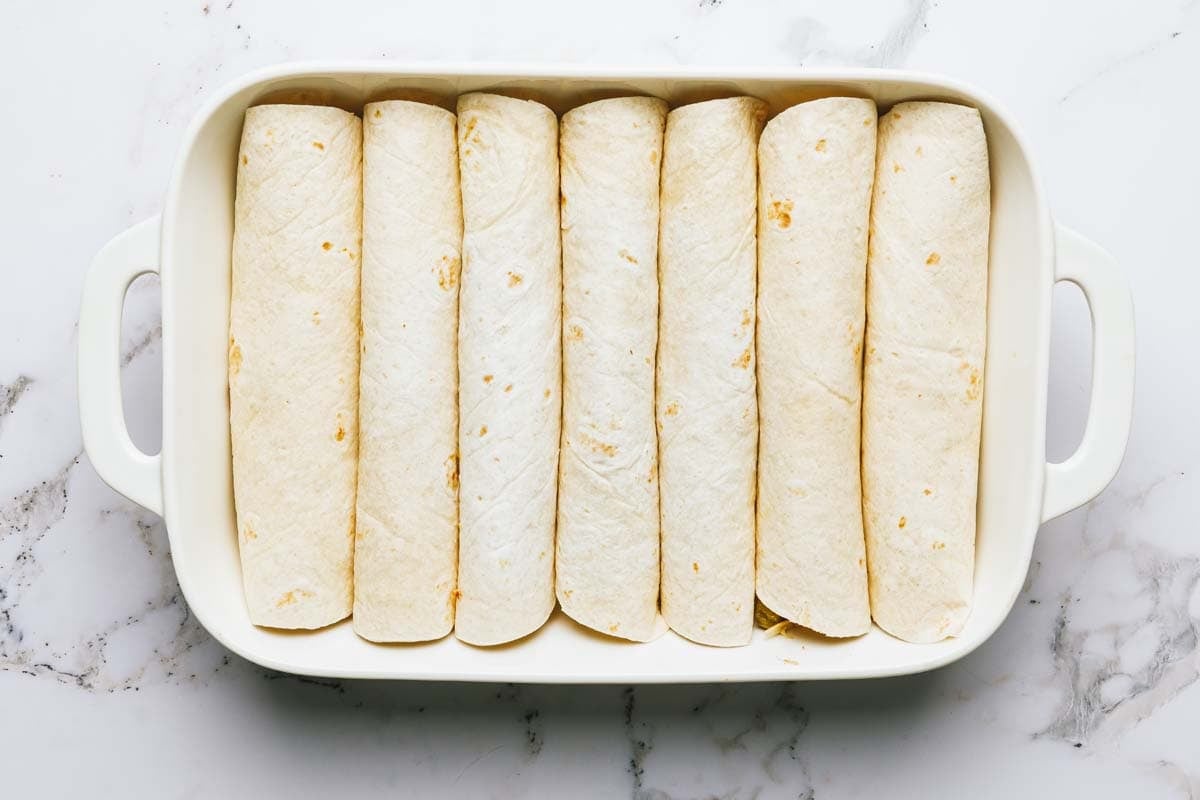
(816, 164)
(707, 413)
(607, 544)
(406, 547)
(923, 379)
(293, 360)
(510, 360)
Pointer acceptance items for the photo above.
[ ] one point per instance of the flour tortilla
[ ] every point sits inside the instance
(816, 164)
(406, 547)
(510, 361)
(607, 545)
(706, 407)
(293, 360)
(923, 381)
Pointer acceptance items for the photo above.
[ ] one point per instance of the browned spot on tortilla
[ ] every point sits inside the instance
(928, 492)
(903, 521)
(562, 200)
(939, 545)
(781, 212)
(954, 179)
(508, 388)
(568, 592)
(469, 132)
(648, 361)
(820, 148)
(287, 598)
(316, 318)
(973, 385)
(614, 628)
(452, 471)
(695, 567)
(597, 446)
(896, 114)
(919, 151)
(574, 333)
(341, 433)
(791, 661)
(249, 534)
(488, 378)
(746, 320)
(546, 394)
(483, 430)
(867, 121)
(862, 562)
(896, 167)
(245, 160)
(653, 472)
(932, 259)
(378, 113)
(447, 272)
(653, 156)
(318, 145)
(743, 361)
(235, 358)
(672, 409)
(514, 278)
(326, 245)
(625, 254)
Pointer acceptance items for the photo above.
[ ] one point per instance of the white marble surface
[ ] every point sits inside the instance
(109, 687)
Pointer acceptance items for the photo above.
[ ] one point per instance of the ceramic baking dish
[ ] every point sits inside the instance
(189, 483)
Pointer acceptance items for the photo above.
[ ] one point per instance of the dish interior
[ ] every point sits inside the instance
(197, 482)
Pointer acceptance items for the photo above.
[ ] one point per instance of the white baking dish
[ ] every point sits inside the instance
(190, 483)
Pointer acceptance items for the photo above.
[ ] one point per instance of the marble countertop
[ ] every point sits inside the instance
(107, 684)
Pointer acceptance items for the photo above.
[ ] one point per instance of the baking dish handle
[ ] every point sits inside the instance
(116, 458)
(1084, 475)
